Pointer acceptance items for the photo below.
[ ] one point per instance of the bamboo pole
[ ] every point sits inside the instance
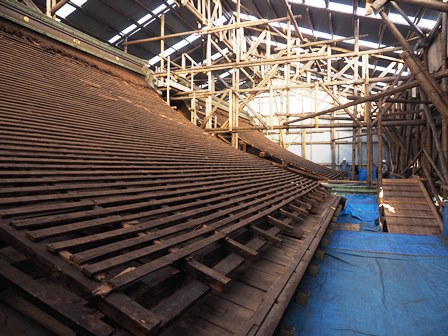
(210, 30)
(427, 82)
(431, 4)
(276, 61)
(379, 130)
(353, 153)
(373, 97)
(435, 136)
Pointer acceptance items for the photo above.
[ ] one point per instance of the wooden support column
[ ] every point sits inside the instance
(379, 135)
(353, 153)
(304, 144)
(368, 121)
(332, 131)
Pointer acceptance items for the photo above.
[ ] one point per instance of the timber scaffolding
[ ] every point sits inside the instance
(118, 215)
(256, 143)
(404, 119)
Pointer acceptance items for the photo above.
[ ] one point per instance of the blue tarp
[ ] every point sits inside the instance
(362, 176)
(363, 290)
(432, 246)
(360, 209)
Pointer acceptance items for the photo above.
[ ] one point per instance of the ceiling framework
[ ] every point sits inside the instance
(371, 89)
(369, 76)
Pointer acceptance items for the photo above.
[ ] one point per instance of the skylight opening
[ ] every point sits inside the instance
(67, 9)
(115, 38)
(128, 29)
(145, 20)
(361, 11)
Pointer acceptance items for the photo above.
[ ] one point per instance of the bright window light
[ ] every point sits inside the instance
(145, 18)
(192, 37)
(154, 60)
(159, 9)
(79, 2)
(180, 45)
(114, 39)
(348, 9)
(65, 11)
(129, 29)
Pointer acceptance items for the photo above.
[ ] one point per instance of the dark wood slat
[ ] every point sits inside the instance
(212, 278)
(240, 249)
(62, 304)
(291, 215)
(262, 233)
(279, 223)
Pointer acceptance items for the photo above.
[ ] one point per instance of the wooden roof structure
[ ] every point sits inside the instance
(124, 205)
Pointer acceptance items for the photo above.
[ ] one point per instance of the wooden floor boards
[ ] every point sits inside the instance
(408, 208)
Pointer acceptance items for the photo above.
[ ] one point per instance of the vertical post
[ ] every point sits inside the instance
(53, 3)
(359, 143)
(332, 130)
(353, 153)
(271, 107)
(368, 120)
(379, 135)
(236, 75)
(208, 62)
(193, 102)
(48, 8)
(168, 80)
(162, 43)
(304, 143)
(358, 139)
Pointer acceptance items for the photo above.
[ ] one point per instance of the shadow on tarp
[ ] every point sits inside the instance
(361, 290)
(361, 209)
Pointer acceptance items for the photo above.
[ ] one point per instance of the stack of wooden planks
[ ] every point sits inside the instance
(131, 213)
(408, 208)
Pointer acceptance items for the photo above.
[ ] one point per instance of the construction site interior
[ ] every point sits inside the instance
(223, 167)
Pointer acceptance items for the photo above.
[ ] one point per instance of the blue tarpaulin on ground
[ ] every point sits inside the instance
(398, 288)
(360, 209)
(362, 176)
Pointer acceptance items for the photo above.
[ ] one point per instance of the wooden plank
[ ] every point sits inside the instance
(60, 305)
(117, 306)
(262, 233)
(181, 253)
(294, 217)
(418, 230)
(170, 308)
(268, 315)
(282, 224)
(219, 311)
(212, 278)
(239, 248)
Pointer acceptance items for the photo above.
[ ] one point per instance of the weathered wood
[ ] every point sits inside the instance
(262, 233)
(279, 223)
(292, 216)
(212, 278)
(240, 249)
(62, 305)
